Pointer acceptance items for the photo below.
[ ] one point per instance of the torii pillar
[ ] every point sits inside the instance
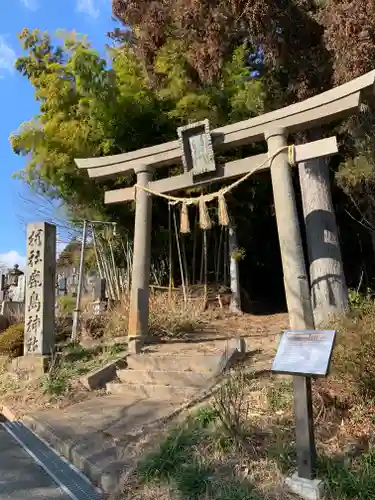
(297, 290)
(140, 280)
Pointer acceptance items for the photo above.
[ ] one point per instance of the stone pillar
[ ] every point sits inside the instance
(293, 261)
(328, 286)
(40, 289)
(139, 295)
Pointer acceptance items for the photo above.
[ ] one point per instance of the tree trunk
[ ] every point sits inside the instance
(329, 294)
(235, 304)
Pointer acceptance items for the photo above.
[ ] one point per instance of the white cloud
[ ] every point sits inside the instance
(30, 4)
(88, 7)
(8, 260)
(7, 56)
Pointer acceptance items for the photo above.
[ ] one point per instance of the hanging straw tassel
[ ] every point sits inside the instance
(184, 220)
(222, 210)
(204, 216)
(292, 155)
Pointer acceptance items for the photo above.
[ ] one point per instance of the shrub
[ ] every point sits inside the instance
(361, 303)
(11, 341)
(94, 327)
(63, 328)
(353, 368)
(67, 304)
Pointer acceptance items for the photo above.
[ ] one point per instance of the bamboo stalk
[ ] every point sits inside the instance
(180, 258)
(96, 252)
(170, 253)
(205, 267)
(194, 246)
(115, 273)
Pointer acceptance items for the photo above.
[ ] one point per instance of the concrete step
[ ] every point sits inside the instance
(204, 363)
(152, 391)
(169, 378)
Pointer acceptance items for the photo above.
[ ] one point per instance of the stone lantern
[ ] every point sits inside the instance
(9, 282)
(13, 275)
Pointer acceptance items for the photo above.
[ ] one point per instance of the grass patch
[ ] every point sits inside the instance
(171, 455)
(349, 482)
(280, 395)
(74, 362)
(21, 391)
(179, 463)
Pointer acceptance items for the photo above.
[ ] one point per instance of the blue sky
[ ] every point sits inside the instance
(91, 17)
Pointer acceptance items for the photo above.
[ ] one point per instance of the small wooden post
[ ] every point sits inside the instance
(296, 290)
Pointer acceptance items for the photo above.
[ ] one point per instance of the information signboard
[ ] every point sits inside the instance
(304, 352)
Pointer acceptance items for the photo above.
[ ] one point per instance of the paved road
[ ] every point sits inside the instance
(20, 477)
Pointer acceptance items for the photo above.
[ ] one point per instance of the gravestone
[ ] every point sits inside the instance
(63, 286)
(18, 292)
(99, 304)
(40, 289)
(99, 289)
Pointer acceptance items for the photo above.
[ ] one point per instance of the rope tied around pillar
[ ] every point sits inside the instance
(202, 200)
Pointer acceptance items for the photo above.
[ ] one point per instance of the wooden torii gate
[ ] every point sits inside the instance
(273, 127)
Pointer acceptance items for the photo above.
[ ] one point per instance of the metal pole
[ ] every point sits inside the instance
(80, 279)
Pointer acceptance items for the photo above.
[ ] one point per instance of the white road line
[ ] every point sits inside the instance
(39, 462)
(62, 458)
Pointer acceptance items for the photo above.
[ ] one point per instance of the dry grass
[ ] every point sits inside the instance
(168, 317)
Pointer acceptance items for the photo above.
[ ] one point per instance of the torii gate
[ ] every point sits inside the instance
(274, 127)
(196, 149)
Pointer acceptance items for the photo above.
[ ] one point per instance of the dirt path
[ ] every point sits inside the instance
(259, 332)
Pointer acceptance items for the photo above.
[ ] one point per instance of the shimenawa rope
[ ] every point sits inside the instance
(203, 199)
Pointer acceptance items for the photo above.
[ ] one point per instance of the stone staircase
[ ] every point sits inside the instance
(105, 436)
(168, 376)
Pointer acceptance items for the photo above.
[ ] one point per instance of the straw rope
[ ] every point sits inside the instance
(203, 199)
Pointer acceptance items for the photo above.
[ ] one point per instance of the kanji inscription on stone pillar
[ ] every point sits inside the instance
(40, 289)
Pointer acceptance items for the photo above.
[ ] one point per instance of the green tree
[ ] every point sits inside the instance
(89, 107)
(86, 109)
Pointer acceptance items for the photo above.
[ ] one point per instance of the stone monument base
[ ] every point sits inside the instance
(309, 489)
(135, 344)
(35, 364)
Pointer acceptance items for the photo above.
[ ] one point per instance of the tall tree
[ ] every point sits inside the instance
(89, 108)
